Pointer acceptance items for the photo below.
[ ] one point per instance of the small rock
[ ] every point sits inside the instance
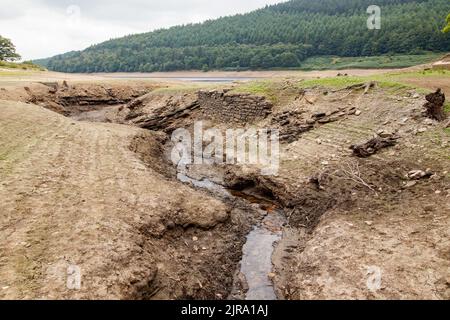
(410, 184)
(319, 141)
(369, 223)
(170, 225)
(416, 174)
(358, 112)
(194, 239)
(271, 275)
(219, 296)
(5, 288)
(438, 192)
(325, 163)
(428, 122)
(416, 96)
(422, 130)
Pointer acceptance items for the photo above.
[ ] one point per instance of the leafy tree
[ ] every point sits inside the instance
(447, 27)
(7, 50)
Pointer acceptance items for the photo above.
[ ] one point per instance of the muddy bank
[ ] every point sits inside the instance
(140, 228)
(82, 101)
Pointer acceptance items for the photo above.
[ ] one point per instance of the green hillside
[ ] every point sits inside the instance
(279, 36)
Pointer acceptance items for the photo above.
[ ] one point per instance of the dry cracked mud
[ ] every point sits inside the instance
(86, 181)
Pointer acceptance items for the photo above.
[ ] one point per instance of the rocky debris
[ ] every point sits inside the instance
(292, 124)
(360, 86)
(435, 105)
(419, 174)
(76, 99)
(54, 86)
(372, 146)
(160, 112)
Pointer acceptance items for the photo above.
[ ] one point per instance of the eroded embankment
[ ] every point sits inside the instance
(322, 178)
(137, 231)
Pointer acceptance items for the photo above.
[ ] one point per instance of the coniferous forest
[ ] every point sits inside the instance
(278, 36)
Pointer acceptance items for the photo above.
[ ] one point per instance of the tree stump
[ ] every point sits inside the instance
(435, 105)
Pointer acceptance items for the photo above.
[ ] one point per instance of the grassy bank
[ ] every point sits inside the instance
(374, 62)
(21, 66)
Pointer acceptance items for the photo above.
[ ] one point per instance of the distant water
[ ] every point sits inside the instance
(187, 79)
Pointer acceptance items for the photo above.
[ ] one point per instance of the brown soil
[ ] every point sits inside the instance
(105, 198)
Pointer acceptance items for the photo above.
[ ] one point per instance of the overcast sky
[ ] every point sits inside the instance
(43, 28)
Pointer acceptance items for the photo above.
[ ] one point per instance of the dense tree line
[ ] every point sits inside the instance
(282, 35)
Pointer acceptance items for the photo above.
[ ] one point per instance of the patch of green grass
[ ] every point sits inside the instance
(343, 82)
(267, 88)
(431, 73)
(27, 65)
(182, 89)
(332, 82)
(371, 62)
(447, 107)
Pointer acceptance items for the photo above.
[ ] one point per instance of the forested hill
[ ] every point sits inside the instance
(281, 35)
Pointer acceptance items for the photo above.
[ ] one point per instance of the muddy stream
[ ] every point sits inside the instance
(256, 264)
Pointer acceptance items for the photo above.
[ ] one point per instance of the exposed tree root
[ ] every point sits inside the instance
(435, 105)
(373, 146)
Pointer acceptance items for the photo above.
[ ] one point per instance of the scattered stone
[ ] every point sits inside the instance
(170, 225)
(271, 276)
(194, 239)
(419, 174)
(319, 115)
(447, 124)
(358, 113)
(422, 130)
(410, 184)
(319, 141)
(416, 96)
(438, 192)
(369, 223)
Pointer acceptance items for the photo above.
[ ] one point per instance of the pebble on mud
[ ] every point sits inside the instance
(410, 184)
(271, 276)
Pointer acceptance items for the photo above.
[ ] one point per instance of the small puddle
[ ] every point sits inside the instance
(256, 264)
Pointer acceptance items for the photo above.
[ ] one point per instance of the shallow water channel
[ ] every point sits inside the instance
(256, 263)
